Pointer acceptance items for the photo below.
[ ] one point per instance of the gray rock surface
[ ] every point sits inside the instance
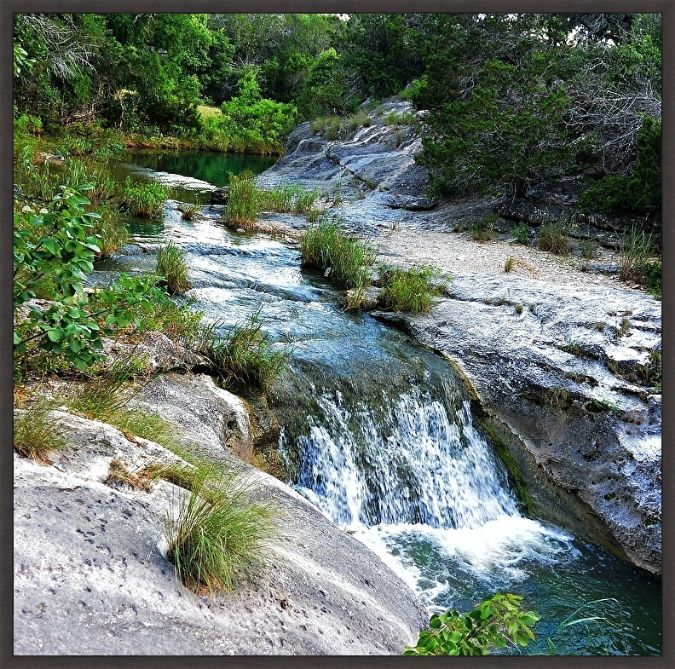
(91, 576)
(566, 384)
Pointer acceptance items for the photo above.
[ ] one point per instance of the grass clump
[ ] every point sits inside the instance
(244, 200)
(345, 260)
(509, 264)
(245, 355)
(521, 233)
(589, 249)
(145, 200)
(553, 238)
(288, 199)
(219, 534)
(329, 126)
(483, 230)
(118, 473)
(36, 434)
(189, 211)
(171, 265)
(361, 119)
(410, 290)
(637, 263)
(399, 118)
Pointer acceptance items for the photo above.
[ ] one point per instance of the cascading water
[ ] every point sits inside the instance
(411, 470)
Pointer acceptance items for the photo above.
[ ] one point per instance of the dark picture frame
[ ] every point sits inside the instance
(9, 7)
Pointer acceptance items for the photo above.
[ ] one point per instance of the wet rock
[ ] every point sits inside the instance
(219, 196)
(94, 553)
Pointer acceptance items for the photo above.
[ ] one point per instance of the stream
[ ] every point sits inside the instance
(377, 432)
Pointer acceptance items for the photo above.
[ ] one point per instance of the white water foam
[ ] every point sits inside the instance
(420, 473)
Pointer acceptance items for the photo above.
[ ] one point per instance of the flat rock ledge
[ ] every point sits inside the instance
(561, 379)
(91, 576)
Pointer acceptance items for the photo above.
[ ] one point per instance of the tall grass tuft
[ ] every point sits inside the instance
(145, 200)
(219, 534)
(553, 238)
(483, 230)
(245, 355)
(635, 255)
(244, 201)
(171, 265)
(346, 260)
(36, 434)
(411, 289)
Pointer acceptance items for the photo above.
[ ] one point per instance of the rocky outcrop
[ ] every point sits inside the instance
(567, 376)
(91, 576)
(568, 380)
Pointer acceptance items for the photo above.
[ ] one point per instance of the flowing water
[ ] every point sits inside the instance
(378, 434)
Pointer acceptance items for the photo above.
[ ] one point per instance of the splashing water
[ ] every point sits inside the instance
(411, 477)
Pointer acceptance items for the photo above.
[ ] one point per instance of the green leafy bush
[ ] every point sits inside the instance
(496, 622)
(640, 189)
(346, 260)
(521, 233)
(172, 267)
(410, 290)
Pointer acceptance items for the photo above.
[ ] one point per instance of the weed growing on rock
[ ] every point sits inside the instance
(118, 473)
(483, 230)
(345, 259)
(245, 355)
(172, 266)
(589, 249)
(509, 264)
(521, 233)
(36, 434)
(410, 290)
(189, 211)
(553, 238)
(636, 261)
(219, 534)
(243, 202)
(143, 199)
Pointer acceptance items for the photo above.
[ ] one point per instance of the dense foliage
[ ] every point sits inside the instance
(514, 100)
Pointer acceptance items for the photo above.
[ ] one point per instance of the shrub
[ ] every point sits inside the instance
(345, 259)
(36, 434)
(553, 238)
(495, 623)
(483, 230)
(219, 533)
(245, 355)
(509, 264)
(145, 200)
(521, 233)
(171, 265)
(409, 289)
(244, 200)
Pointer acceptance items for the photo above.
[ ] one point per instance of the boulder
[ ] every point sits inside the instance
(92, 577)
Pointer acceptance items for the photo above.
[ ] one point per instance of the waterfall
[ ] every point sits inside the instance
(410, 472)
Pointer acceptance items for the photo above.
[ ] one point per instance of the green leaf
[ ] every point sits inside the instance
(55, 334)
